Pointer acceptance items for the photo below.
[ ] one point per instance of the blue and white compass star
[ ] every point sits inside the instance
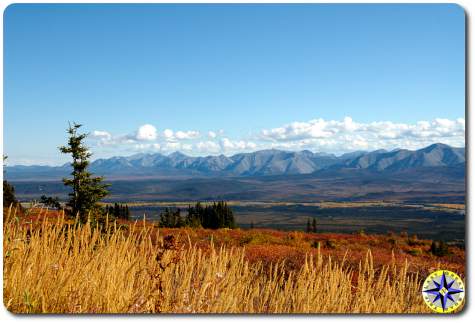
(443, 291)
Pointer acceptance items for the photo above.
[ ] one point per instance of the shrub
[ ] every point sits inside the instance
(393, 241)
(413, 241)
(316, 244)
(331, 244)
(439, 248)
(257, 238)
(295, 238)
(415, 252)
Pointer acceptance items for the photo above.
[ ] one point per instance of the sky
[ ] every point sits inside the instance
(222, 79)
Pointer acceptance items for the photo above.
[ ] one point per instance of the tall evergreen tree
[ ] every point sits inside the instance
(8, 191)
(165, 218)
(230, 222)
(116, 210)
(309, 228)
(171, 218)
(87, 189)
(127, 212)
(314, 225)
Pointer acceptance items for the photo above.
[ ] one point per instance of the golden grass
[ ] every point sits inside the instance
(60, 267)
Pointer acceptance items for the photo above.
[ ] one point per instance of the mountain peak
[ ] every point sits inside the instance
(177, 154)
(435, 146)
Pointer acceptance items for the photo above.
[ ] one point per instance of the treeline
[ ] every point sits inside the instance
(311, 226)
(50, 201)
(212, 216)
(118, 211)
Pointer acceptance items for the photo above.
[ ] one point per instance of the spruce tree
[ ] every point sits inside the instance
(8, 195)
(229, 217)
(126, 212)
(314, 225)
(165, 218)
(309, 228)
(88, 190)
(8, 191)
(116, 210)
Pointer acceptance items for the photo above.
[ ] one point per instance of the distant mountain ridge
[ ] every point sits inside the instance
(260, 163)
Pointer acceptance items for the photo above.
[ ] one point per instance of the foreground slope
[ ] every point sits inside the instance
(54, 266)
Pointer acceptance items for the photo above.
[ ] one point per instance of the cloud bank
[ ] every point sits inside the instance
(318, 135)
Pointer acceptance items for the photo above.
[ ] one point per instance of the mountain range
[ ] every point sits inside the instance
(260, 163)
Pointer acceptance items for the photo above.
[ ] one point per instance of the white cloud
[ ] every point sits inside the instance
(347, 135)
(142, 146)
(236, 145)
(147, 132)
(208, 147)
(299, 130)
(212, 134)
(226, 144)
(168, 134)
(172, 146)
(187, 147)
(187, 134)
(349, 125)
(101, 135)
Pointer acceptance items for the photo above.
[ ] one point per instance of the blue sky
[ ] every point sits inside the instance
(211, 79)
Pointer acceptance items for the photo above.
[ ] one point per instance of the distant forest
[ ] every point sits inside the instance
(213, 216)
(119, 211)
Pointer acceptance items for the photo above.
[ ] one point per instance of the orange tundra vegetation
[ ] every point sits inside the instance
(53, 265)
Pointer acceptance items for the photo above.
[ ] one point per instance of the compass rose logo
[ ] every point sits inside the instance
(443, 291)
